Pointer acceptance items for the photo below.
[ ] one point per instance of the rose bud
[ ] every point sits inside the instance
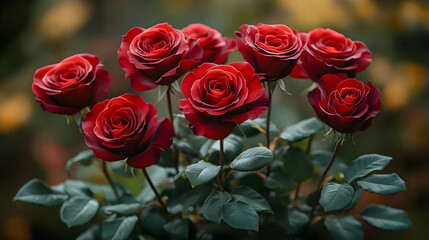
(330, 52)
(216, 48)
(272, 50)
(70, 85)
(345, 104)
(217, 97)
(157, 56)
(126, 127)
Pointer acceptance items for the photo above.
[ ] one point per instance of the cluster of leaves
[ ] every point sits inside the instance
(259, 192)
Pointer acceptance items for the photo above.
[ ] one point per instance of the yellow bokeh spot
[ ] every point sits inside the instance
(365, 9)
(394, 96)
(64, 19)
(15, 111)
(310, 14)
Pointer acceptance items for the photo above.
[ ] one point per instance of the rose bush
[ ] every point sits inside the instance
(272, 50)
(331, 52)
(157, 56)
(234, 188)
(345, 104)
(126, 127)
(217, 97)
(70, 85)
(216, 48)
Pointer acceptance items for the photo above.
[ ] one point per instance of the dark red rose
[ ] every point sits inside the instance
(157, 56)
(217, 97)
(126, 127)
(216, 48)
(330, 52)
(74, 83)
(272, 50)
(345, 104)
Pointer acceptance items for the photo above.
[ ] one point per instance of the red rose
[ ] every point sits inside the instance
(272, 50)
(74, 83)
(157, 56)
(345, 104)
(217, 97)
(330, 52)
(126, 127)
(216, 48)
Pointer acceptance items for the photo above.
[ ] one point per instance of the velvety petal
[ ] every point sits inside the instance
(161, 139)
(102, 83)
(191, 77)
(201, 125)
(251, 111)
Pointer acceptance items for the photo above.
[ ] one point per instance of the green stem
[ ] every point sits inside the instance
(164, 208)
(298, 183)
(221, 158)
(269, 116)
(170, 112)
(109, 179)
(319, 186)
(268, 124)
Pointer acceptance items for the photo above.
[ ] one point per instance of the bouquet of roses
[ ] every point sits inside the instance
(210, 182)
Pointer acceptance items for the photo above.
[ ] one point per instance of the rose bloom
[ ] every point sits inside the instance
(330, 52)
(216, 48)
(70, 85)
(272, 50)
(157, 56)
(217, 97)
(126, 127)
(345, 104)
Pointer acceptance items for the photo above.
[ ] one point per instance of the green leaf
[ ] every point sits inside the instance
(279, 180)
(91, 233)
(384, 184)
(37, 192)
(118, 228)
(297, 221)
(240, 215)
(185, 147)
(252, 159)
(251, 197)
(301, 130)
(201, 172)
(77, 187)
(322, 158)
(152, 222)
(232, 146)
(178, 228)
(356, 197)
(250, 127)
(78, 210)
(213, 205)
(386, 218)
(121, 169)
(84, 158)
(365, 164)
(123, 209)
(336, 196)
(297, 164)
(345, 228)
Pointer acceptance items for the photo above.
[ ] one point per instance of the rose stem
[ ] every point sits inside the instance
(268, 125)
(109, 179)
(164, 208)
(176, 152)
(169, 103)
(319, 187)
(221, 157)
(298, 183)
(269, 117)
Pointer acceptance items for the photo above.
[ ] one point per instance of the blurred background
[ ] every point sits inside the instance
(36, 144)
